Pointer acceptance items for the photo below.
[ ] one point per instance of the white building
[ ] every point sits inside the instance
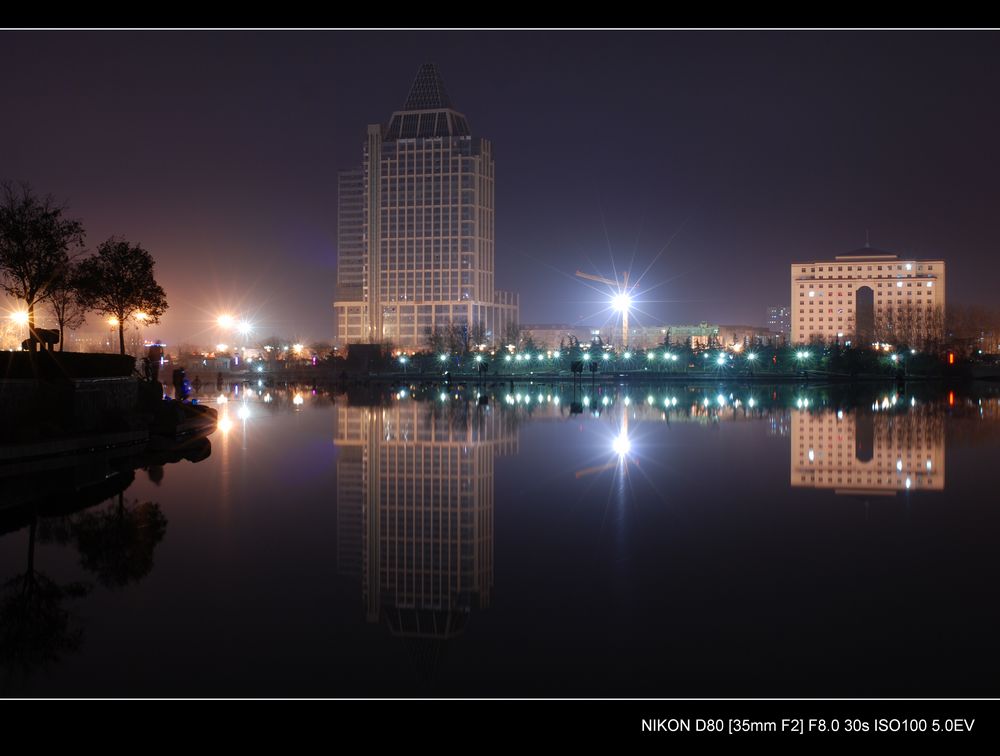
(868, 296)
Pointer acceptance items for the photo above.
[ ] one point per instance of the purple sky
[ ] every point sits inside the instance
(218, 152)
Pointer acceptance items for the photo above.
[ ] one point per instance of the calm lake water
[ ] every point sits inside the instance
(721, 540)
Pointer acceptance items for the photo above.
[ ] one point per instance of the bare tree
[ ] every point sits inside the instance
(511, 333)
(436, 340)
(35, 244)
(457, 339)
(67, 303)
(478, 333)
(885, 325)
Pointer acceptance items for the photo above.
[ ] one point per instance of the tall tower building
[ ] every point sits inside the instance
(426, 188)
(351, 263)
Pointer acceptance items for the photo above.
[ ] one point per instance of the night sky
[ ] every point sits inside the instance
(218, 152)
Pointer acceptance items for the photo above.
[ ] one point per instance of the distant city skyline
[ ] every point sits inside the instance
(734, 153)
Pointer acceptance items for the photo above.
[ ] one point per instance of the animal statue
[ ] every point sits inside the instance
(47, 337)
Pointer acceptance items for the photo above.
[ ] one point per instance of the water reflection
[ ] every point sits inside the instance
(77, 500)
(864, 451)
(36, 628)
(625, 521)
(415, 503)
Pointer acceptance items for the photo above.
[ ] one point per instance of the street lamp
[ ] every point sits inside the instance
(621, 301)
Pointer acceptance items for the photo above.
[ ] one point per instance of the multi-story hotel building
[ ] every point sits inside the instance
(868, 296)
(860, 452)
(427, 230)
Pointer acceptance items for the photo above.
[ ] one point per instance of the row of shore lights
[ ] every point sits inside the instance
(605, 357)
(722, 359)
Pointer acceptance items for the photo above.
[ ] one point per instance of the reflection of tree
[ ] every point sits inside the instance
(116, 543)
(35, 629)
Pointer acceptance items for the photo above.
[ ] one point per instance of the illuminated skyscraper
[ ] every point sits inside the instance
(426, 187)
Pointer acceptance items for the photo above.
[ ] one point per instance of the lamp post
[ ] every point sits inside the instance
(621, 301)
(801, 356)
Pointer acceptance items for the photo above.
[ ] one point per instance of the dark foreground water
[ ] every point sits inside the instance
(665, 541)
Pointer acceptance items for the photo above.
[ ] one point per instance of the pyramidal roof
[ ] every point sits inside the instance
(428, 92)
(428, 112)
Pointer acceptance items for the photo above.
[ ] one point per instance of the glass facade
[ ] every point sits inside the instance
(427, 188)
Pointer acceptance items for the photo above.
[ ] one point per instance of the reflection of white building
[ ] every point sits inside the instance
(415, 510)
(867, 452)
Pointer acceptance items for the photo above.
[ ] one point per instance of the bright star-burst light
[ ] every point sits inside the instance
(621, 445)
(621, 301)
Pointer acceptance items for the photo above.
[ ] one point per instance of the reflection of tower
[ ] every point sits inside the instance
(415, 511)
(868, 451)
